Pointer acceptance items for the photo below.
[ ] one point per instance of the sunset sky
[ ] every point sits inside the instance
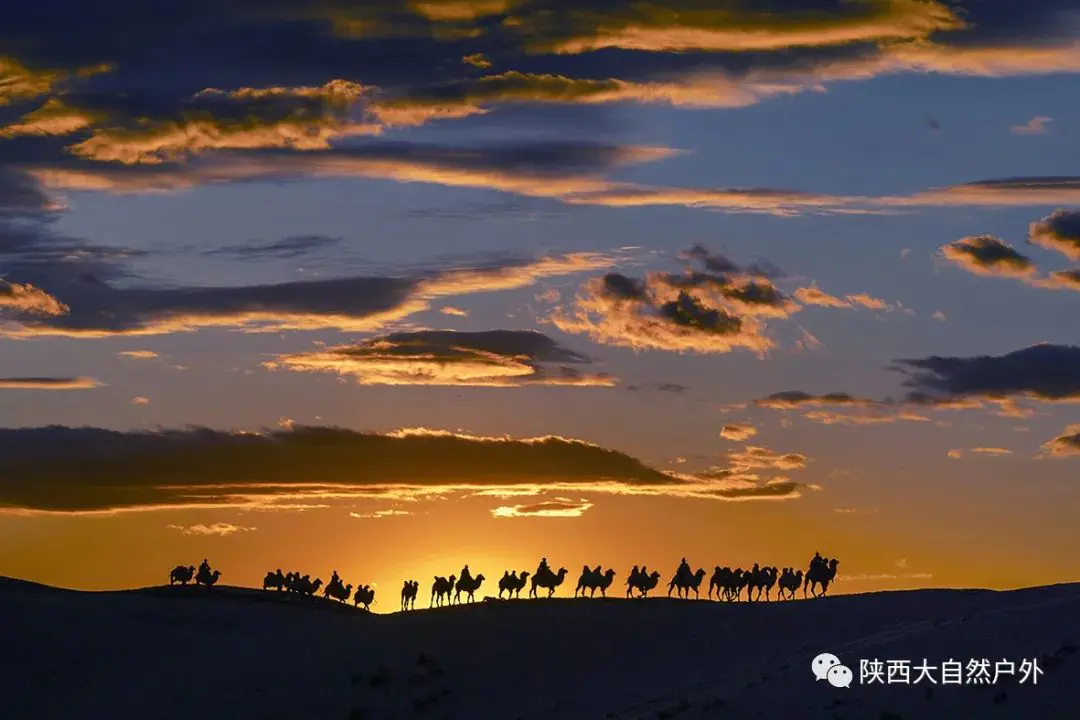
(394, 286)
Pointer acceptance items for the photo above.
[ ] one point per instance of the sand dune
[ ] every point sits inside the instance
(235, 653)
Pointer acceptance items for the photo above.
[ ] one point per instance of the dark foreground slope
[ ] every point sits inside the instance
(236, 654)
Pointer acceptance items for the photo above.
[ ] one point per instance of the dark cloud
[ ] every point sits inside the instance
(290, 247)
(988, 255)
(61, 469)
(661, 387)
(1040, 373)
(98, 309)
(1067, 444)
(493, 358)
(47, 383)
(1044, 372)
(790, 399)
(1059, 231)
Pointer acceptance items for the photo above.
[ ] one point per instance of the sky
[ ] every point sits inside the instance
(392, 288)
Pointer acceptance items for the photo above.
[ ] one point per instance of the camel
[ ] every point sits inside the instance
(208, 579)
(761, 579)
(547, 580)
(364, 595)
(305, 586)
(790, 581)
(822, 574)
(512, 583)
(593, 580)
(181, 574)
(686, 584)
(643, 583)
(469, 586)
(408, 594)
(337, 591)
(442, 586)
(274, 580)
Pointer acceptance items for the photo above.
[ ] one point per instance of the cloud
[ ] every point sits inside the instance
(855, 511)
(29, 300)
(989, 451)
(477, 60)
(1059, 231)
(298, 118)
(140, 400)
(686, 26)
(1042, 372)
(453, 311)
(755, 457)
(48, 383)
(290, 247)
(555, 508)
(375, 515)
(988, 255)
(874, 417)
(349, 304)
(1067, 444)
(738, 433)
(814, 295)
(940, 316)
(97, 471)
(714, 306)
(138, 354)
(1034, 126)
(793, 399)
(219, 528)
(493, 358)
(553, 169)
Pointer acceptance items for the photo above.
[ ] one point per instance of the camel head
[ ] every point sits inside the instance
(452, 579)
(317, 583)
(191, 568)
(561, 573)
(700, 573)
(610, 573)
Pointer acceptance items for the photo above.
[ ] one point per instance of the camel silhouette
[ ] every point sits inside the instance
(408, 594)
(790, 580)
(469, 586)
(181, 574)
(442, 587)
(686, 582)
(364, 595)
(512, 584)
(274, 580)
(820, 573)
(643, 582)
(593, 580)
(336, 590)
(548, 580)
(205, 577)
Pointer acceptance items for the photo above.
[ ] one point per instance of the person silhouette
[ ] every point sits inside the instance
(465, 575)
(335, 581)
(684, 571)
(543, 568)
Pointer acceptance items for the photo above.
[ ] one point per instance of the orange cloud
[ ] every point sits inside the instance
(48, 383)
(738, 433)
(302, 118)
(500, 358)
(680, 26)
(559, 507)
(25, 298)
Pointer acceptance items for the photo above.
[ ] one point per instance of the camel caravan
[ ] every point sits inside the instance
(204, 576)
(303, 585)
(726, 584)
